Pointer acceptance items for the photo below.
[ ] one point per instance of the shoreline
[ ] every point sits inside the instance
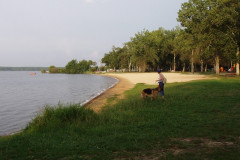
(116, 92)
(129, 80)
(86, 102)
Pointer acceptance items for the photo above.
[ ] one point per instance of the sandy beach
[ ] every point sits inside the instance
(128, 81)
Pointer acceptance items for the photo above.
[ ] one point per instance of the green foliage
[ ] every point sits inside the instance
(83, 66)
(183, 44)
(43, 71)
(61, 70)
(146, 51)
(209, 29)
(22, 68)
(213, 25)
(53, 69)
(74, 67)
(60, 116)
(112, 58)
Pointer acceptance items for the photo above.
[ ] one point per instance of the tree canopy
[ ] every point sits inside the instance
(209, 36)
(75, 67)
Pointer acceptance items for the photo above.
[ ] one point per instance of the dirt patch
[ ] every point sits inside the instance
(180, 146)
(206, 142)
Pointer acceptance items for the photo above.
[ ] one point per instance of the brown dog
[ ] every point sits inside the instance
(150, 92)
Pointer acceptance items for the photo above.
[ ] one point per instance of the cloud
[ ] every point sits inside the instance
(88, 1)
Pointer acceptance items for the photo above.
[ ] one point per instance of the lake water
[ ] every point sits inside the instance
(22, 96)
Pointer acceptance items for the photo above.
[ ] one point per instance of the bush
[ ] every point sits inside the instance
(43, 71)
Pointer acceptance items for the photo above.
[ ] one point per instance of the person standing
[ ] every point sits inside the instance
(160, 82)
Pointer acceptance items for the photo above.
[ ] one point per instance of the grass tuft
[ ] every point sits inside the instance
(60, 116)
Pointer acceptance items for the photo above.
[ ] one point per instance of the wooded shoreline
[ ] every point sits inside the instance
(22, 68)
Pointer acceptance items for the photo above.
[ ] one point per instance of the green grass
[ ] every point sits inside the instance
(196, 120)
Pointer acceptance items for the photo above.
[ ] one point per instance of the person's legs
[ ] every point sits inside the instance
(161, 93)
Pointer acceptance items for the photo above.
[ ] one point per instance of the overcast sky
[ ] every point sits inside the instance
(53, 32)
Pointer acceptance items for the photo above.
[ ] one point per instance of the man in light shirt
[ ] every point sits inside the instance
(160, 82)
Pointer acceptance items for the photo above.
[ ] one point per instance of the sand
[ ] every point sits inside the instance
(128, 81)
(115, 93)
(150, 78)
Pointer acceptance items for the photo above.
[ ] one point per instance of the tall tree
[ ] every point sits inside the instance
(83, 66)
(145, 52)
(227, 20)
(111, 59)
(183, 45)
(198, 17)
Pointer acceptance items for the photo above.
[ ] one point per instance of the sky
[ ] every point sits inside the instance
(40, 33)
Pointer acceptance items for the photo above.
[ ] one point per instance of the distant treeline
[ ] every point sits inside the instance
(23, 68)
(75, 67)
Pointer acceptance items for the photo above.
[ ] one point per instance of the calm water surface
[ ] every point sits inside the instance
(22, 96)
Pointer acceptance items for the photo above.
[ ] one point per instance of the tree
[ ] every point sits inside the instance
(160, 39)
(43, 71)
(227, 20)
(123, 57)
(199, 17)
(183, 43)
(83, 66)
(53, 69)
(72, 67)
(170, 46)
(145, 51)
(111, 59)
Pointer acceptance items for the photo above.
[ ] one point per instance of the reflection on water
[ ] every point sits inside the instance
(23, 95)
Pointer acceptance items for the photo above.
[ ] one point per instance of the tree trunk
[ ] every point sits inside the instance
(237, 64)
(217, 65)
(129, 67)
(142, 67)
(206, 68)
(174, 62)
(184, 66)
(192, 66)
(201, 65)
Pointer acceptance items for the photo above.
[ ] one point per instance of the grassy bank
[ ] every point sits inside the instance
(196, 120)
